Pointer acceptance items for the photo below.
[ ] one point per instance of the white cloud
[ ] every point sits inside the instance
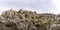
(49, 6)
(57, 6)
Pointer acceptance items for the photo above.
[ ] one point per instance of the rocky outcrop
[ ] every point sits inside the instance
(27, 20)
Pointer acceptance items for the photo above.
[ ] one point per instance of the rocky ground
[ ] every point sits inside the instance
(28, 20)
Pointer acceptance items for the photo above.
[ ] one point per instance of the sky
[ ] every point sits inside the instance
(40, 6)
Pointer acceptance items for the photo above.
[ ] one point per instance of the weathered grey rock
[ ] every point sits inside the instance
(8, 26)
(10, 14)
(55, 27)
(41, 27)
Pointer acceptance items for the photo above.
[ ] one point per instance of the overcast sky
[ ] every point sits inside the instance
(40, 6)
